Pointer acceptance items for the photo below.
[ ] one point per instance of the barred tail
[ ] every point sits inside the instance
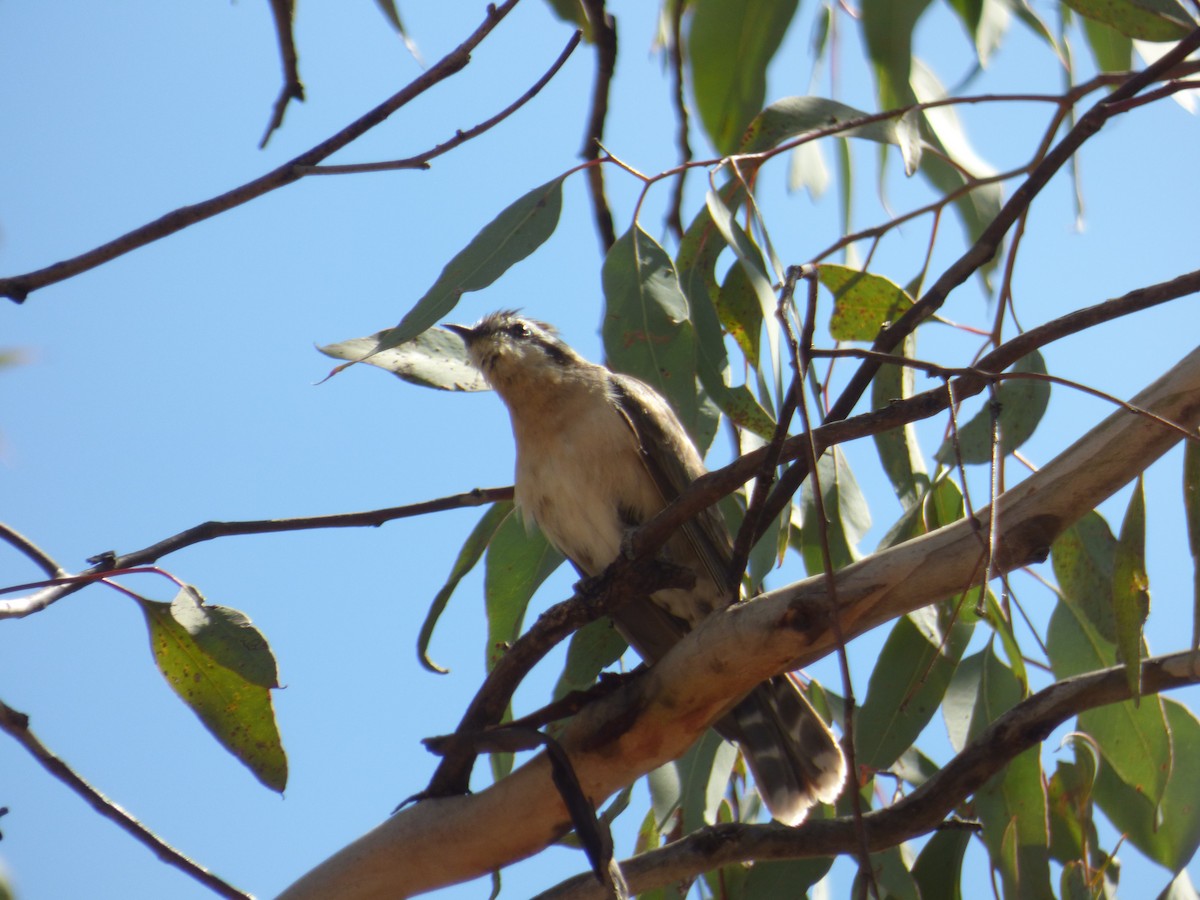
(795, 759)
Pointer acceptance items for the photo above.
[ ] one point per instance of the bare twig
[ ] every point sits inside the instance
(283, 11)
(19, 287)
(675, 209)
(16, 725)
(604, 35)
(41, 558)
(23, 606)
(421, 160)
(924, 810)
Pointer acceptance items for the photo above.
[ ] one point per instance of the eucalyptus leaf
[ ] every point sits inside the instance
(1022, 403)
(436, 358)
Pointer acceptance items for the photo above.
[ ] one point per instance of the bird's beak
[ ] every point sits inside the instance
(466, 332)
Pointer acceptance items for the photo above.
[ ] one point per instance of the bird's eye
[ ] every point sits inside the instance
(518, 330)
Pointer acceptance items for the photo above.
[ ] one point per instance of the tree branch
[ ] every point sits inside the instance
(16, 725)
(283, 11)
(604, 34)
(655, 718)
(1022, 727)
(207, 531)
(18, 287)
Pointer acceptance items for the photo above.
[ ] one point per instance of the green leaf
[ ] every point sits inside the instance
(846, 512)
(1022, 402)
(1180, 888)
(1146, 20)
(862, 303)
(647, 331)
(592, 649)
(1112, 50)
(908, 682)
(785, 878)
(222, 668)
(938, 869)
(1069, 795)
(573, 11)
(1171, 835)
(704, 776)
(1012, 805)
(519, 559)
(1191, 507)
(435, 358)
(730, 43)
(888, 30)
(1082, 558)
(792, 117)
(520, 229)
(1133, 740)
(1131, 595)
(468, 556)
(986, 22)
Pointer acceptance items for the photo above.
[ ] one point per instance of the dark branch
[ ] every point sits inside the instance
(18, 287)
(23, 606)
(16, 725)
(421, 161)
(604, 34)
(1024, 726)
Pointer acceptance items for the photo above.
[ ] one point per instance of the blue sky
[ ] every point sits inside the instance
(176, 384)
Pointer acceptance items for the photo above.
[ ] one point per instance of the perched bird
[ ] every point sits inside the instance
(599, 453)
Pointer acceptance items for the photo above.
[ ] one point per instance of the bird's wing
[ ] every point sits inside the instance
(672, 462)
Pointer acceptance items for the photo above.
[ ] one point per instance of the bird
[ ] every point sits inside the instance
(599, 453)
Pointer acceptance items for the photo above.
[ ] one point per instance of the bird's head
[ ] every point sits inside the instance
(511, 350)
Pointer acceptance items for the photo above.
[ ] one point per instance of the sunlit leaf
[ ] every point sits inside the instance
(515, 233)
(1171, 835)
(1082, 558)
(792, 117)
(1022, 402)
(729, 45)
(1112, 50)
(703, 775)
(1133, 740)
(435, 358)
(575, 12)
(1131, 594)
(1146, 20)
(847, 516)
(986, 22)
(471, 552)
(222, 668)
(888, 30)
(863, 302)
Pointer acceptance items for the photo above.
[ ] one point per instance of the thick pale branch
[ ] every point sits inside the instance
(657, 717)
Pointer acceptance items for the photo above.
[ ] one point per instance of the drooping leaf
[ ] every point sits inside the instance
(938, 869)
(515, 233)
(647, 330)
(1146, 20)
(847, 517)
(1169, 835)
(573, 11)
(1082, 558)
(1191, 508)
(223, 669)
(471, 552)
(519, 559)
(730, 43)
(888, 30)
(1069, 795)
(862, 302)
(1131, 595)
(1112, 50)
(435, 358)
(792, 117)
(986, 22)
(908, 682)
(592, 649)
(1022, 402)
(1012, 805)
(1134, 740)
(704, 775)
(785, 878)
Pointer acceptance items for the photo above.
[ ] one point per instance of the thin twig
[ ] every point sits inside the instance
(604, 35)
(283, 12)
(23, 606)
(675, 208)
(19, 287)
(421, 160)
(40, 557)
(16, 725)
